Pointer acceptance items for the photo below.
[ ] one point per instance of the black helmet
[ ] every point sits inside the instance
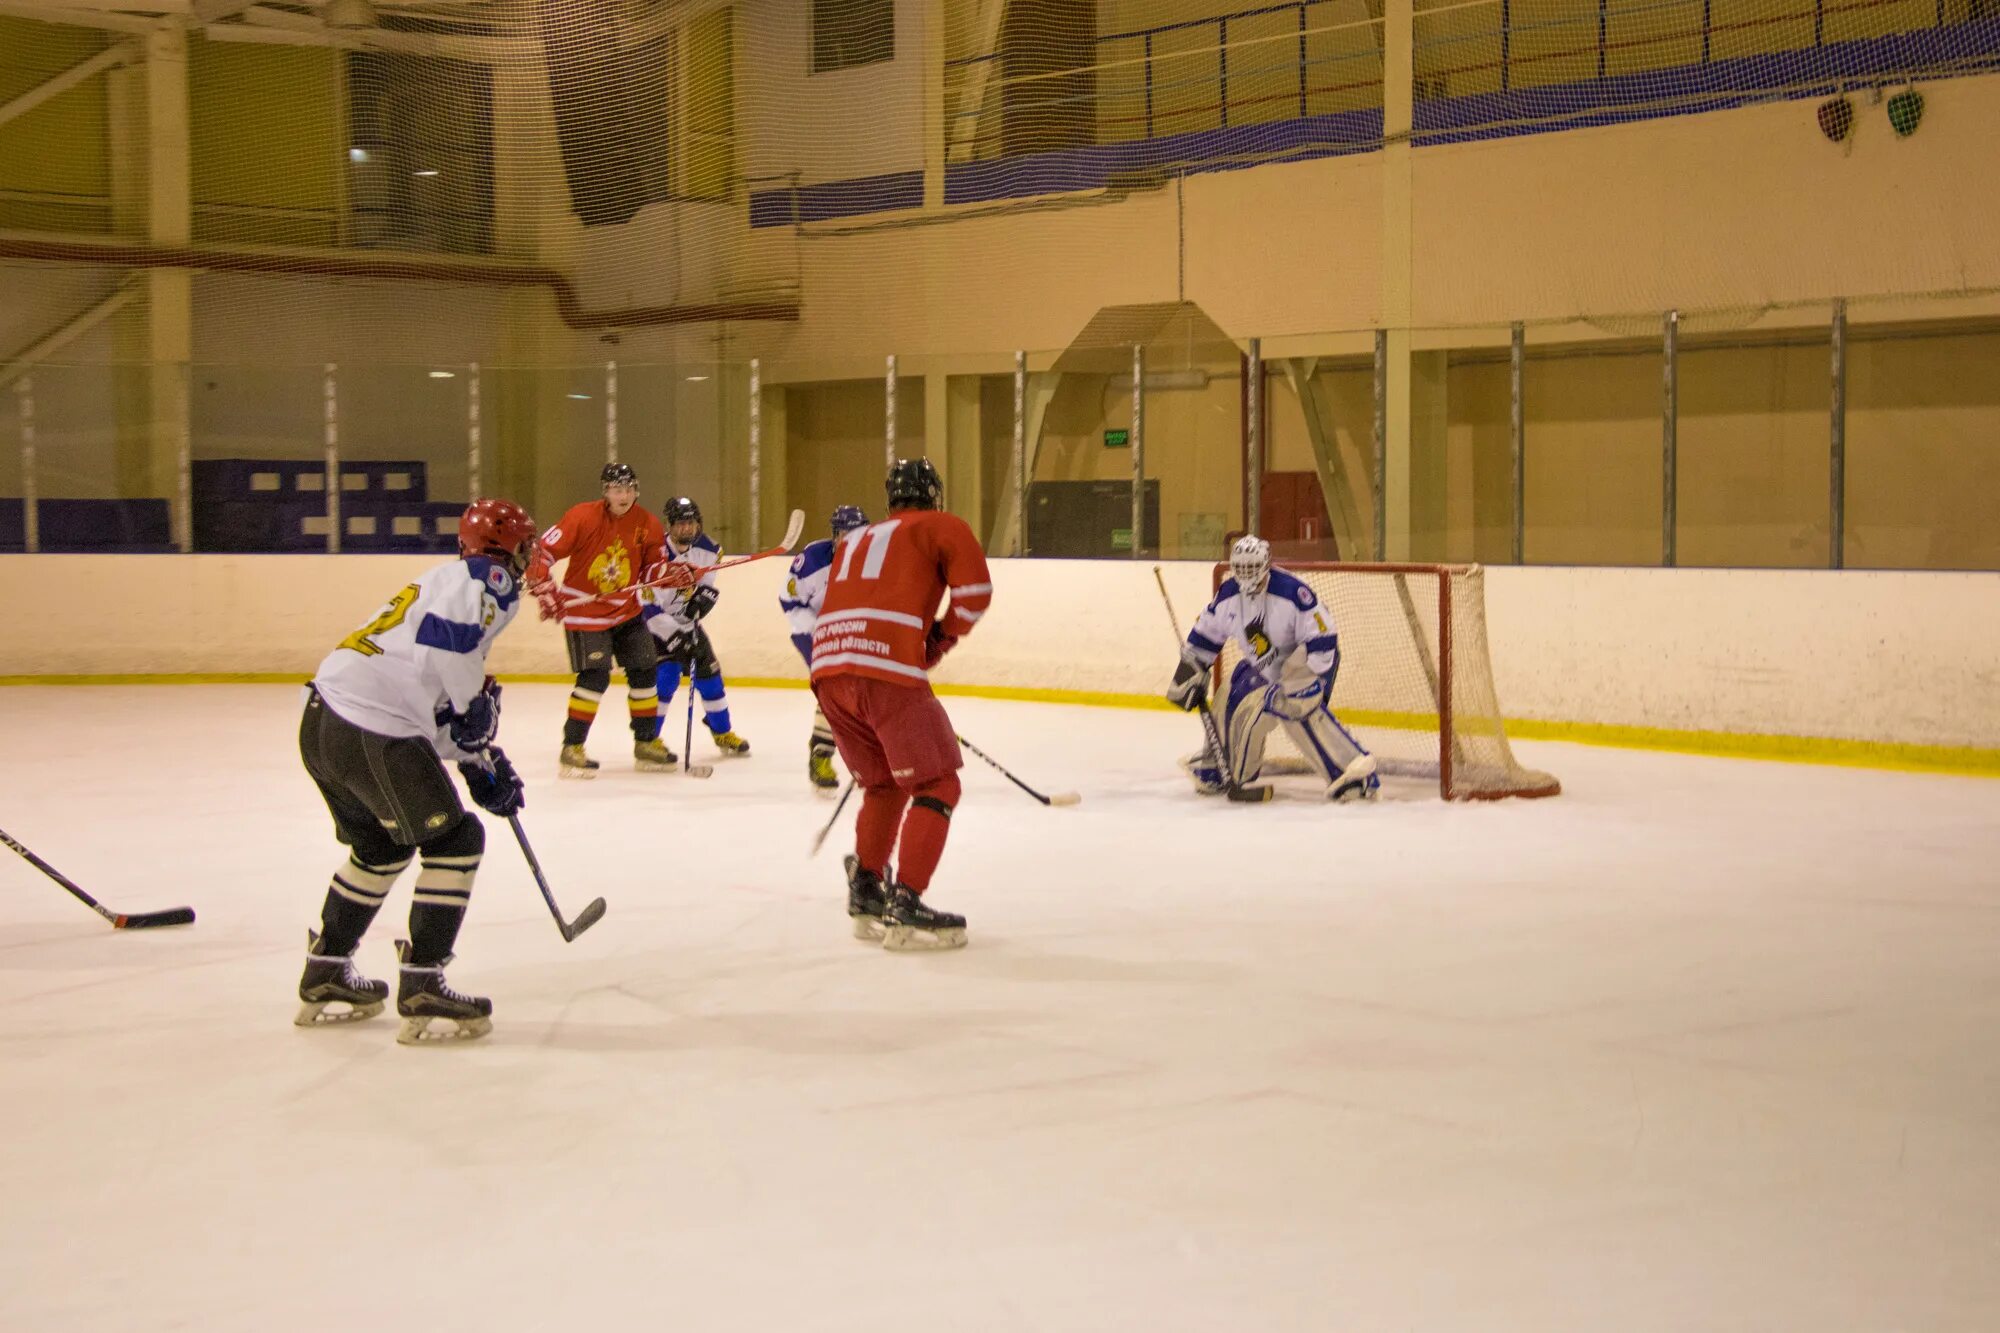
(618, 474)
(914, 484)
(680, 509)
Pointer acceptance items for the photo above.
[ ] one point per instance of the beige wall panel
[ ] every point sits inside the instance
(1732, 209)
(1923, 453)
(1754, 452)
(1593, 490)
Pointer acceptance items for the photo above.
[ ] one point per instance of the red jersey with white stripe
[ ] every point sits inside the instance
(885, 585)
(606, 556)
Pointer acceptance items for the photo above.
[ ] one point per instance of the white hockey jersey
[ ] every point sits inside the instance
(424, 653)
(1269, 628)
(805, 590)
(665, 609)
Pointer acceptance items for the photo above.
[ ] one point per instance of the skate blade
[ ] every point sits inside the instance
(909, 939)
(569, 774)
(868, 928)
(418, 1032)
(314, 1013)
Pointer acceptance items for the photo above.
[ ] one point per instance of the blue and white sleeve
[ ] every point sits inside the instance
(1212, 627)
(1316, 634)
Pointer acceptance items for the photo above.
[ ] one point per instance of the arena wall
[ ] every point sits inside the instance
(1888, 667)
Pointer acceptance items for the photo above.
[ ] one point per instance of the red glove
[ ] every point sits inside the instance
(937, 643)
(671, 574)
(547, 598)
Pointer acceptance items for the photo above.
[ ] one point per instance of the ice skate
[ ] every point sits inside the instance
(332, 980)
(819, 769)
(424, 997)
(653, 756)
(1357, 782)
(731, 744)
(574, 763)
(867, 899)
(912, 926)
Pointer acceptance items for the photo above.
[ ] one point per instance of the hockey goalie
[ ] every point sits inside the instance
(1290, 657)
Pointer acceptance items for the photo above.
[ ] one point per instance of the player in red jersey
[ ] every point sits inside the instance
(877, 635)
(610, 544)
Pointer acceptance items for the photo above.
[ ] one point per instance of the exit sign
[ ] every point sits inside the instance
(1117, 439)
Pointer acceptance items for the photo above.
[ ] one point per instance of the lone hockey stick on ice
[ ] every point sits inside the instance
(171, 916)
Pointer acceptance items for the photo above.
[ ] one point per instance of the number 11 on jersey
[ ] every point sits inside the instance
(876, 538)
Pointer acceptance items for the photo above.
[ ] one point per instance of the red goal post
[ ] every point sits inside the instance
(1416, 677)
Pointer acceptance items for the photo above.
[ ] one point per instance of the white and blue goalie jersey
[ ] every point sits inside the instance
(665, 609)
(1270, 628)
(424, 653)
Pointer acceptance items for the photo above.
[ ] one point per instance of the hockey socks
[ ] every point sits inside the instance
(352, 900)
(925, 829)
(875, 826)
(444, 890)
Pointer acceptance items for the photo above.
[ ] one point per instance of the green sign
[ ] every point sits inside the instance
(1121, 539)
(1117, 439)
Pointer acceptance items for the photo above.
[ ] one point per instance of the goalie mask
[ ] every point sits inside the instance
(1250, 563)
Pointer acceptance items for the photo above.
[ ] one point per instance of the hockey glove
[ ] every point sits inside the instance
(494, 785)
(937, 643)
(548, 601)
(670, 574)
(700, 601)
(1189, 690)
(473, 730)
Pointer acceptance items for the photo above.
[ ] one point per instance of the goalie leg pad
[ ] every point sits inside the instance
(1339, 759)
(1246, 727)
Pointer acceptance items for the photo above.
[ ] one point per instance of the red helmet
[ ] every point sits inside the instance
(500, 529)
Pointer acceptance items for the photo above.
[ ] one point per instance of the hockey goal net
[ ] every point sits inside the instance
(1416, 679)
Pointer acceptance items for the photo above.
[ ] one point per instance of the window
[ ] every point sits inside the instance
(846, 33)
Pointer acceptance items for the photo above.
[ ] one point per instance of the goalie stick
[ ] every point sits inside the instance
(171, 916)
(1060, 798)
(1232, 788)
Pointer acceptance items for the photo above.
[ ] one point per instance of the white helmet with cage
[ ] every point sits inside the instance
(1250, 563)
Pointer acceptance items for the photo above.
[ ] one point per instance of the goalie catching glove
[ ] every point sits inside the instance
(493, 784)
(1189, 690)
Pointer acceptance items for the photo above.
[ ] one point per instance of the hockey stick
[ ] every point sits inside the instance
(172, 916)
(1232, 788)
(1060, 798)
(819, 839)
(688, 765)
(592, 912)
(794, 529)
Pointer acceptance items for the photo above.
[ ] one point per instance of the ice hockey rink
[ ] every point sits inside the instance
(1700, 1044)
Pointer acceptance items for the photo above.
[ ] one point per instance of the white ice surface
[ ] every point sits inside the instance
(1699, 1045)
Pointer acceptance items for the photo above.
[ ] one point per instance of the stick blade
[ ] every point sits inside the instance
(171, 916)
(795, 528)
(698, 770)
(1065, 798)
(592, 913)
(1249, 795)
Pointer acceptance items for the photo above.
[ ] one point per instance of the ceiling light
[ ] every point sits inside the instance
(697, 379)
(583, 396)
(357, 155)
(443, 375)
(427, 171)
